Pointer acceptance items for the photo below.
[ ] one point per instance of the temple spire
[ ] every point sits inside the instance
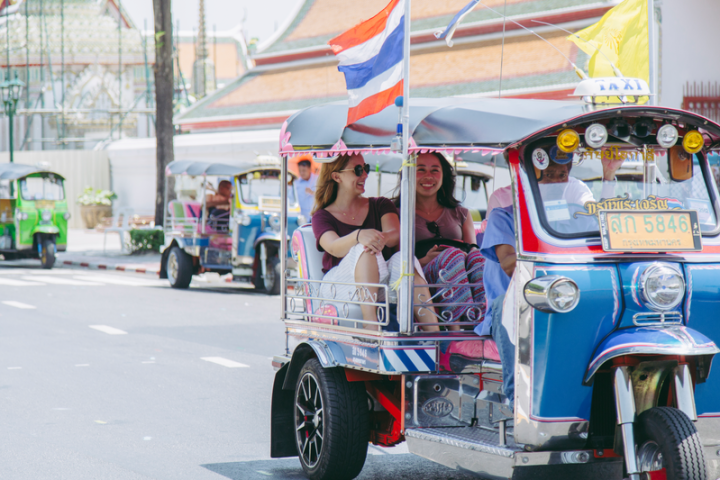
(203, 68)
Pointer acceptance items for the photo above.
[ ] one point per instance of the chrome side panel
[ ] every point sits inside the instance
(570, 433)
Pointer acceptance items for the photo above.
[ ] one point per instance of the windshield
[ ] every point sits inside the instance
(570, 195)
(261, 183)
(470, 191)
(42, 188)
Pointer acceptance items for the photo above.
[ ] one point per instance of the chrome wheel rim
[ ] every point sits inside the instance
(172, 267)
(649, 456)
(309, 420)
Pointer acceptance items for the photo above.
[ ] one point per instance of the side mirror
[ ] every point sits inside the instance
(680, 164)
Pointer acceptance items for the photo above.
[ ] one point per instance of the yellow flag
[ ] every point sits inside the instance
(622, 35)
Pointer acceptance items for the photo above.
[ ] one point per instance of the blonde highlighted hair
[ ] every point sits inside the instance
(326, 188)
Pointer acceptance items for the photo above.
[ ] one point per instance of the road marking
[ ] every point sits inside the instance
(11, 282)
(108, 330)
(150, 361)
(100, 422)
(224, 362)
(115, 280)
(60, 281)
(13, 303)
(14, 368)
(82, 365)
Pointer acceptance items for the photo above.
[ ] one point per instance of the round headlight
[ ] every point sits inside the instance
(46, 215)
(596, 135)
(552, 294)
(662, 287)
(693, 141)
(568, 140)
(66, 215)
(667, 136)
(245, 220)
(21, 215)
(563, 295)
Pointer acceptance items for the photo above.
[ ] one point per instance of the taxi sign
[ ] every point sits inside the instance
(650, 230)
(612, 87)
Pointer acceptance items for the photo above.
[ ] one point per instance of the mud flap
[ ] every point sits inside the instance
(282, 431)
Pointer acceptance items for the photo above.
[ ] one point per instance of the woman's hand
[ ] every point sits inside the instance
(431, 255)
(372, 240)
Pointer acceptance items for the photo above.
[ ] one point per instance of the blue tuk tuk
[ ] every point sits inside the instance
(240, 237)
(611, 305)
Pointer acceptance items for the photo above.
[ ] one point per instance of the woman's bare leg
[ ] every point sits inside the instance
(422, 315)
(366, 271)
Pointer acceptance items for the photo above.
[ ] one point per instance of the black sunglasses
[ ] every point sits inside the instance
(434, 228)
(358, 169)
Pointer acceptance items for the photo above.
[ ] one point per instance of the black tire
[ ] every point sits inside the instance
(270, 283)
(47, 253)
(179, 268)
(340, 449)
(666, 436)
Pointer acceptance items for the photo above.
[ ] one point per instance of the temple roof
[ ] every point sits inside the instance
(298, 69)
(320, 20)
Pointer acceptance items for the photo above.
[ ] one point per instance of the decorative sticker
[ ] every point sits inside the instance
(624, 203)
(704, 210)
(556, 210)
(540, 159)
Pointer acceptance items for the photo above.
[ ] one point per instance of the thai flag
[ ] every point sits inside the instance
(448, 33)
(371, 57)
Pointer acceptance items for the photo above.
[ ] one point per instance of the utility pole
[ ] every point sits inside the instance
(163, 100)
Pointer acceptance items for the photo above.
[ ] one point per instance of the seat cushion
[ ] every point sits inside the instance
(461, 352)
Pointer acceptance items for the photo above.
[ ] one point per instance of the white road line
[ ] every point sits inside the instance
(60, 281)
(14, 368)
(108, 330)
(224, 362)
(116, 280)
(11, 282)
(82, 365)
(13, 303)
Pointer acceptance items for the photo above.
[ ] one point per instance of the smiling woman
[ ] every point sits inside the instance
(358, 236)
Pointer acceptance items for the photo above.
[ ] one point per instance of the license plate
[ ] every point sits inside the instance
(650, 230)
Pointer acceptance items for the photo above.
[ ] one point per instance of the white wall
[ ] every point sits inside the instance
(132, 161)
(689, 50)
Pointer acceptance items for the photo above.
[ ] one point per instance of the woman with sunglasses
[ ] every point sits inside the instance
(358, 236)
(438, 217)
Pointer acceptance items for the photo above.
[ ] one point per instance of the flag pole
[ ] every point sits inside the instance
(407, 195)
(652, 67)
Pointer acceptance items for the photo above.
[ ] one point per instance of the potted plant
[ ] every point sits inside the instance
(95, 204)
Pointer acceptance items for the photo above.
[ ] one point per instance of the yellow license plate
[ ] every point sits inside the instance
(44, 204)
(650, 230)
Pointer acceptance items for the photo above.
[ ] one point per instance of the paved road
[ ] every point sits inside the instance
(109, 375)
(117, 376)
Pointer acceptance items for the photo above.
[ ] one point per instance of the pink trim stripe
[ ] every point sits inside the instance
(364, 31)
(375, 103)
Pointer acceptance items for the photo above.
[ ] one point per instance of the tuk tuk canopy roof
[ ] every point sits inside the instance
(484, 126)
(195, 167)
(13, 171)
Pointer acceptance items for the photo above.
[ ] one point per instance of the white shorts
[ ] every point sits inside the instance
(345, 272)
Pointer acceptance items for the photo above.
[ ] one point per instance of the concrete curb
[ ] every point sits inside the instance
(101, 266)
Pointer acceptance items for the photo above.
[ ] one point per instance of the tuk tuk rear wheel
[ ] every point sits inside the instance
(331, 423)
(179, 268)
(667, 438)
(47, 253)
(270, 283)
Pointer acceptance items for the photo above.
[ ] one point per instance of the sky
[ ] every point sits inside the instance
(262, 17)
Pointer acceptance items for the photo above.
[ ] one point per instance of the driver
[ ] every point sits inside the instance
(498, 248)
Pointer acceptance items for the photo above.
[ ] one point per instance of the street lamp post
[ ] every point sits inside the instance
(11, 91)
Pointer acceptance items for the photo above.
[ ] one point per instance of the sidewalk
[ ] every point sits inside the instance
(85, 250)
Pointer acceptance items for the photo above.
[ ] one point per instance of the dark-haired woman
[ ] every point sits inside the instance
(438, 215)
(358, 236)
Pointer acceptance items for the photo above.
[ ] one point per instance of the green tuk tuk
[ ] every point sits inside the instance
(33, 213)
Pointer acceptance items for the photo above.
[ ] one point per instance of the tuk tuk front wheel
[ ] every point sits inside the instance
(331, 423)
(47, 253)
(179, 268)
(270, 282)
(667, 439)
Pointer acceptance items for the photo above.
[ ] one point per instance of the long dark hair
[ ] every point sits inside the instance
(446, 194)
(326, 188)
